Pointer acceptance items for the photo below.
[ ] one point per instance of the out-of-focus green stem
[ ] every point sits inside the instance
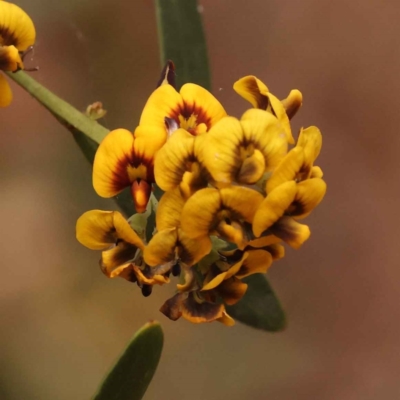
(182, 40)
(69, 116)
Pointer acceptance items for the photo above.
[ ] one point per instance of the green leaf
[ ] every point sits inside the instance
(70, 117)
(133, 372)
(259, 307)
(182, 40)
(87, 133)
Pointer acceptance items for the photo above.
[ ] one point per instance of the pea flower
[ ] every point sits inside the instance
(17, 35)
(234, 191)
(126, 159)
(122, 248)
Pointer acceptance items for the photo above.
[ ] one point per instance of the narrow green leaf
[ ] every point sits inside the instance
(87, 133)
(182, 40)
(133, 372)
(259, 307)
(67, 115)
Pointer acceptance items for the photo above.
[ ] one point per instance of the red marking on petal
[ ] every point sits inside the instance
(187, 111)
(141, 191)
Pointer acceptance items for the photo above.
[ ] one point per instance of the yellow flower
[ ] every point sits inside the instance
(242, 151)
(121, 247)
(293, 191)
(176, 164)
(195, 307)
(226, 213)
(258, 94)
(227, 183)
(193, 108)
(17, 34)
(123, 160)
(171, 243)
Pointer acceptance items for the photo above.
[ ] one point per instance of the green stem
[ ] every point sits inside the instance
(69, 116)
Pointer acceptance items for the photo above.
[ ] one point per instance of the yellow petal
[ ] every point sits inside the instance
(164, 102)
(98, 230)
(114, 261)
(199, 212)
(226, 319)
(16, 27)
(292, 232)
(169, 210)
(252, 168)
(10, 60)
(148, 276)
(112, 166)
(252, 90)
(213, 282)
(193, 180)
(171, 161)
(148, 141)
(201, 311)
(112, 270)
(274, 206)
(202, 104)
(216, 274)
(263, 129)
(243, 151)
(191, 251)
(242, 201)
(161, 248)
(310, 140)
(231, 231)
(276, 250)
(316, 172)
(5, 92)
(219, 151)
(264, 241)
(232, 290)
(292, 103)
(287, 169)
(258, 261)
(279, 111)
(258, 94)
(309, 194)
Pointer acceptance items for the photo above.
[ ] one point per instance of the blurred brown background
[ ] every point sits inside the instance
(64, 323)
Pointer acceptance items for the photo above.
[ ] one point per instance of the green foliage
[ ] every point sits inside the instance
(182, 40)
(259, 307)
(133, 372)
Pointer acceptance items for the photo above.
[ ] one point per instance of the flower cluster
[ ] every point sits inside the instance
(17, 36)
(233, 191)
